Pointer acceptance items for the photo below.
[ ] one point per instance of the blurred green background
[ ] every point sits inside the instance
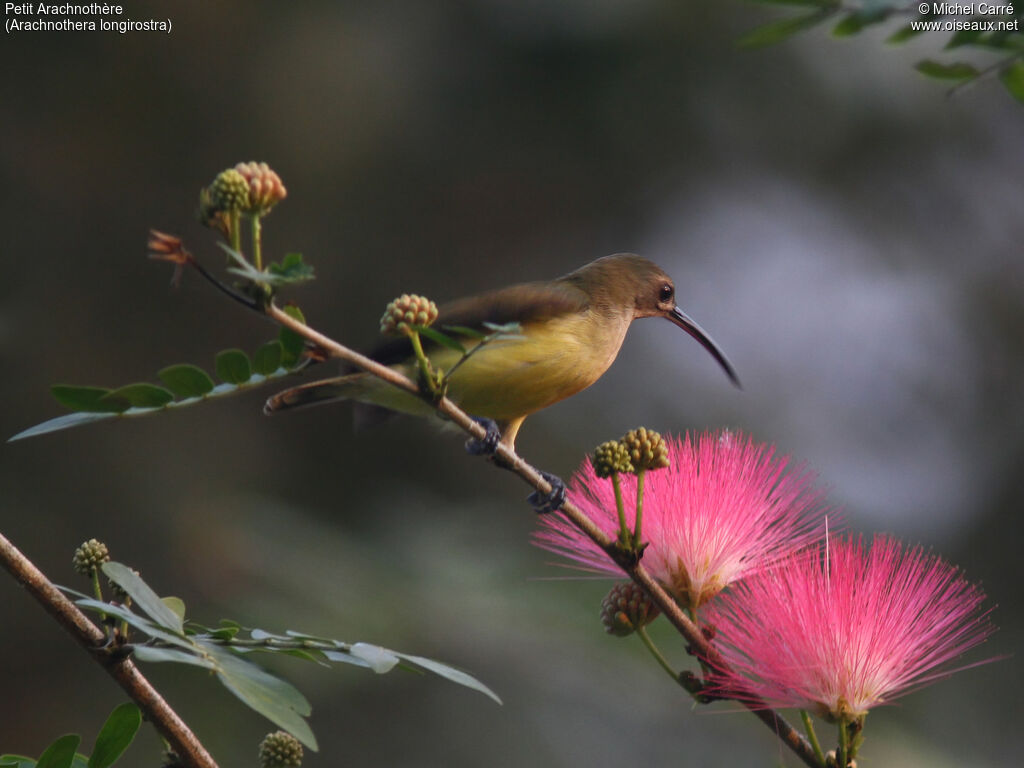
(850, 237)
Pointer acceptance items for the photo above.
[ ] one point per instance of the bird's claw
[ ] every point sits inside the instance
(546, 503)
(488, 444)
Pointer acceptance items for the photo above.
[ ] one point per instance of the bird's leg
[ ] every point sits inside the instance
(487, 445)
(546, 503)
(543, 503)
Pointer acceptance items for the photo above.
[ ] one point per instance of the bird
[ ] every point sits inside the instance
(570, 332)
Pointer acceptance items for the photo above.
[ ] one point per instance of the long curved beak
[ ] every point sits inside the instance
(685, 322)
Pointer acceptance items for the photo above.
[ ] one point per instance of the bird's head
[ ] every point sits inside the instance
(626, 280)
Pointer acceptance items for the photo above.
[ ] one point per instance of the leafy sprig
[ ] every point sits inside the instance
(1006, 39)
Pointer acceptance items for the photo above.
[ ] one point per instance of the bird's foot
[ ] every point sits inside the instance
(546, 503)
(488, 444)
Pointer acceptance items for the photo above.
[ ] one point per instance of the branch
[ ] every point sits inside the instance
(186, 746)
(510, 459)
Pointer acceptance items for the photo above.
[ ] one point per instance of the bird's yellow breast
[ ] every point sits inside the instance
(555, 359)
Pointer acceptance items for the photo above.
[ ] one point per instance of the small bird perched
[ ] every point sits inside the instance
(571, 331)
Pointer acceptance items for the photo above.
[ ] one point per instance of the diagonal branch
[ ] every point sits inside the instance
(699, 644)
(167, 722)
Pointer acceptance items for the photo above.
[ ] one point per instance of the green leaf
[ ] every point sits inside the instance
(116, 735)
(857, 20)
(173, 655)
(16, 761)
(268, 357)
(963, 37)
(778, 31)
(442, 339)
(450, 673)
(141, 623)
(292, 344)
(292, 269)
(227, 630)
(232, 366)
(141, 395)
(275, 699)
(60, 753)
(148, 601)
(177, 605)
(381, 660)
(186, 380)
(939, 71)
(903, 34)
(345, 657)
(1013, 79)
(93, 399)
(61, 422)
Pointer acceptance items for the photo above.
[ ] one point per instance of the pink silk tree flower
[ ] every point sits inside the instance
(725, 508)
(842, 628)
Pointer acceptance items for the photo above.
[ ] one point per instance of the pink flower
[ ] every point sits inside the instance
(725, 508)
(841, 628)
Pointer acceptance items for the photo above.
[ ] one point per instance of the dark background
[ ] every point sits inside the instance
(847, 234)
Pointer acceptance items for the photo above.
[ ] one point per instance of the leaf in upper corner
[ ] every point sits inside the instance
(232, 366)
(116, 735)
(186, 380)
(267, 358)
(777, 31)
(87, 399)
(857, 20)
(903, 34)
(1013, 78)
(939, 71)
(963, 37)
(141, 395)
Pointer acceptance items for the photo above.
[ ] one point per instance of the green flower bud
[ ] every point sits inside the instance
(90, 556)
(646, 448)
(405, 311)
(228, 192)
(611, 457)
(280, 750)
(626, 608)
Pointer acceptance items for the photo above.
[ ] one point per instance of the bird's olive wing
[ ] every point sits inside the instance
(523, 304)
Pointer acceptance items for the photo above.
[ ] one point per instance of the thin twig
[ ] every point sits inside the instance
(510, 459)
(189, 750)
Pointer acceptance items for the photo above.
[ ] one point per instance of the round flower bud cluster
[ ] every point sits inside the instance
(627, 608)
(265, 187)
(90, 556)
(280, 750)
(646, 448)
(611, 457)
(228, 192)
(405, 311)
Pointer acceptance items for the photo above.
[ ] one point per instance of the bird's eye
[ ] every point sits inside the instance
(665, 294)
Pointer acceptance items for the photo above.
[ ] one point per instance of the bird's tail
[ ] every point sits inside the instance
(316, 392)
